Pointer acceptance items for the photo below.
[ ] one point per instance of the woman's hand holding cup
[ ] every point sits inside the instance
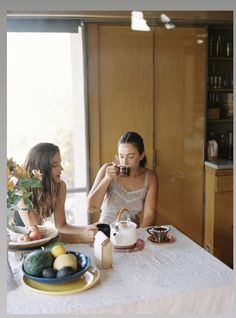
(111, 171)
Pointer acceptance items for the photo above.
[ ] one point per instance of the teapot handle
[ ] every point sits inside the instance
(120, 212)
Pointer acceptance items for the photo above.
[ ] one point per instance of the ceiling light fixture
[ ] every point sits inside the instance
(169, 26)
(138, 23)
(167, 21)
(164, 18)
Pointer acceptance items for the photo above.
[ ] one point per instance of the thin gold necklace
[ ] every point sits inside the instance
(128, 186)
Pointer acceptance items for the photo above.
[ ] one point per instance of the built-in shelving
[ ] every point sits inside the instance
(220, 89)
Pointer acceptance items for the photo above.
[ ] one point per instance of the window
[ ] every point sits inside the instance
(45, 102)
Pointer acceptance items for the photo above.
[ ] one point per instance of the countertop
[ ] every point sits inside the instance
(219, 164)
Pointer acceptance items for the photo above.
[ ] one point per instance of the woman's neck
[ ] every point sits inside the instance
(136, 172)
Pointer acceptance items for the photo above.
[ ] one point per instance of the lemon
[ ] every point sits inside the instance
(58, 250)
(64, 261)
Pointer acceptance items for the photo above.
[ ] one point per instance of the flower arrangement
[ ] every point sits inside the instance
(19, 185)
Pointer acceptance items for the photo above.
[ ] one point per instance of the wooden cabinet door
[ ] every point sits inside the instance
(179, 119)
(218, 236)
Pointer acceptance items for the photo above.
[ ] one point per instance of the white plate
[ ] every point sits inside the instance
(48, 233)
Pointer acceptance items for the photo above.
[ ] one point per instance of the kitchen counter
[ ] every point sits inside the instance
(219, 164)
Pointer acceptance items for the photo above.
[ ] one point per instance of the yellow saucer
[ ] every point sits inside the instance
(90, 278)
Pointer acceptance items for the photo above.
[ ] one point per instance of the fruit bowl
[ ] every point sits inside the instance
(83, 261)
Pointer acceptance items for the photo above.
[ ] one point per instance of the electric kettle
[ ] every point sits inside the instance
(212, 150)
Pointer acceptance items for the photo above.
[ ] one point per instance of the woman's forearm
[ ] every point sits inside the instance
(74, 238)
(76, 234)
(96, 196)
(148, 220)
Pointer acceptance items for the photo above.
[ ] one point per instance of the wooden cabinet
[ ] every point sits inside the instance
(179, 112)
(153, 83)
(120, 77)
(218, 238)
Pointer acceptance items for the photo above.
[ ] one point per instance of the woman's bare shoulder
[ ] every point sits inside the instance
(152, 177)
(62, 186)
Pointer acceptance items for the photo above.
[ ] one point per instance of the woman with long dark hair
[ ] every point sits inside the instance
(49, 201)
(137, 192)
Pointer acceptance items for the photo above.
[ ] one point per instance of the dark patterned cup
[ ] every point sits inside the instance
(124, 171)
(159, 233)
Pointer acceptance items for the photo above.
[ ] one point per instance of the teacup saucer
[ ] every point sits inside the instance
(169, 239)
(138, 246)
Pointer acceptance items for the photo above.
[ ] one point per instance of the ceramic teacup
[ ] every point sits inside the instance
(159, 233)
(105, 228)
(123, 171)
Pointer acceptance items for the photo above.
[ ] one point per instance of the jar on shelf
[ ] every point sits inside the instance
(218, 46)
(229, 48)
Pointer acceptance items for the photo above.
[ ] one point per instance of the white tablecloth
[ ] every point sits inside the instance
(179, 277)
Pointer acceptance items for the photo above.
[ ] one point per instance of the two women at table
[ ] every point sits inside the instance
(110, 192)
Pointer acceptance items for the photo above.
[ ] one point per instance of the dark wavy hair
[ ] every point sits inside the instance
(131, 137)
(40, 157)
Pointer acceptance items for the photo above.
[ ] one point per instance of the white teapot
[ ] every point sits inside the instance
(123, 233)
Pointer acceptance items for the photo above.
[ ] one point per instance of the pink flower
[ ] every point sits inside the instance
(37, 174)
(14, 180)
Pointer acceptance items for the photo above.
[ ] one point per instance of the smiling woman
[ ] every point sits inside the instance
(49, 200)
(45, 84)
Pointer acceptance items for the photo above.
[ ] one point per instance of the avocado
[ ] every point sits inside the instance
(36, 261)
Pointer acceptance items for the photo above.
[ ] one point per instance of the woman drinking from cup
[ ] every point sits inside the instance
(129, 185)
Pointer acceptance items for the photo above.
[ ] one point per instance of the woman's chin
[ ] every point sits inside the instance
(57, 179)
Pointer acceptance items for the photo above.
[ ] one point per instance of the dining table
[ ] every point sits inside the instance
(177, 276)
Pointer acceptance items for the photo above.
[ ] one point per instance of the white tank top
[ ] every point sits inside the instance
(117, 198)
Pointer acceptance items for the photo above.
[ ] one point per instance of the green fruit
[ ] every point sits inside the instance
(65, 271)
(49, 272)
(36, 261)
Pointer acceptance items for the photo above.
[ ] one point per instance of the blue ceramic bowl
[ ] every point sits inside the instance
(84, 263)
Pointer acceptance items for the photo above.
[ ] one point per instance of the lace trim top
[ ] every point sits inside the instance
(117, 198)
